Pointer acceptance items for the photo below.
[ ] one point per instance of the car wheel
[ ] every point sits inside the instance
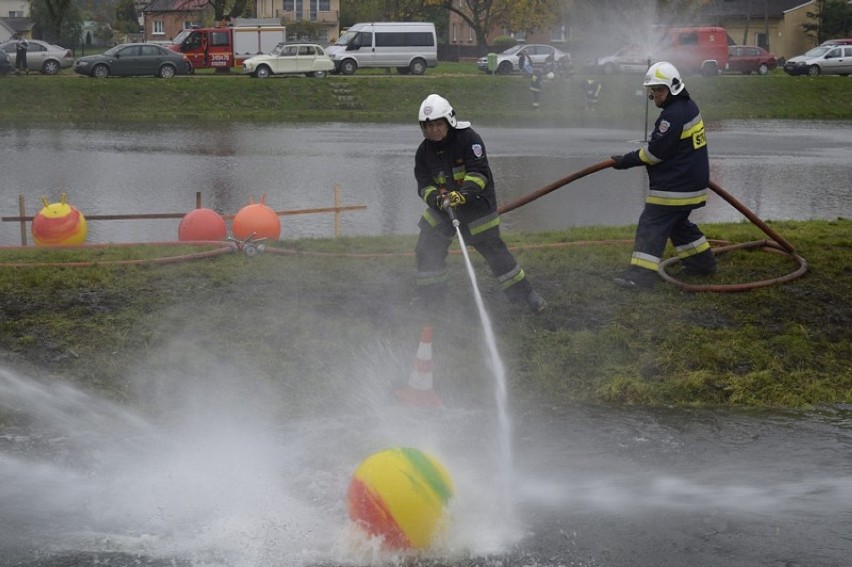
(348, 67)
(814, 70)
(763, 69)
(167, 72)
(417, 67)
(504, 68)
(50, 67)
(100, 71)
(320, 74)
(263, 72)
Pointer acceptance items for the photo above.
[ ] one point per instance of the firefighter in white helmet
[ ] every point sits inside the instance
(451, 169)
(679, 173)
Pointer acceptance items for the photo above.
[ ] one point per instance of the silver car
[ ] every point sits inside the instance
(42, 56)
(822, 60)
(507, 61)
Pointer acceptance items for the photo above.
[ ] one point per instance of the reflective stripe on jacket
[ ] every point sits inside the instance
(458, 163)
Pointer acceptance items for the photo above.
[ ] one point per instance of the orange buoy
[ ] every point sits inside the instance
(256, 219)
(202, 224)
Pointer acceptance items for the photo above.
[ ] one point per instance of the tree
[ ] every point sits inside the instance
(126, 18)
(480, 15)
(833, 18)
(483, 16)
(394, 11)
(304, 31)
(227, 9)
(60, 20)
(532, 15)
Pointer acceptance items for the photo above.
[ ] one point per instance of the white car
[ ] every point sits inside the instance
(507, 61)
(628, 59)
(42, 56)
(290, 59)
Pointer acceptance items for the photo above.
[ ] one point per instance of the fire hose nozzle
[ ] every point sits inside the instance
(451, 212)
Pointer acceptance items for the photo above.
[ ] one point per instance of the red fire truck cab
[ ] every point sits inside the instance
(226, 47)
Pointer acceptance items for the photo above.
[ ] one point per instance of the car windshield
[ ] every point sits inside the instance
(347, 38)
(113, 50)
(182, 36)
(514, 49)
(817, 51)
(279, 49)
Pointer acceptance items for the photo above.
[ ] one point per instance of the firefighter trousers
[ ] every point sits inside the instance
(659, 223)
(431, 251)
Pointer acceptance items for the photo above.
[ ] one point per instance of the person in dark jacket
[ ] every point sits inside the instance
(452, 171)
(679, 173)
(21, 46)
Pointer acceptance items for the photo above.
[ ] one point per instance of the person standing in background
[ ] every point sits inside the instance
(21, 46)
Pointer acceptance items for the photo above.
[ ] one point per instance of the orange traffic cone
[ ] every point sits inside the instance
(419, 391)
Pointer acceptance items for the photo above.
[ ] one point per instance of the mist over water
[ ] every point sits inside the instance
(219, 475)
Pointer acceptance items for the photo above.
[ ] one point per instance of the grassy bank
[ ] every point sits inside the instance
(381, 97)
(320, 327)
(333, 323)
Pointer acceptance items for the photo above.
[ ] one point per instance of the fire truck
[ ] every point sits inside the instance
(226, 47)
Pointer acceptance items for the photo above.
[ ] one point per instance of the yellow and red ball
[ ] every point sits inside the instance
(202, 224)
(59, 224)
(401, 495)
(256, 219)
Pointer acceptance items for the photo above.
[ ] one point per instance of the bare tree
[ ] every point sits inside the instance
(480, 15)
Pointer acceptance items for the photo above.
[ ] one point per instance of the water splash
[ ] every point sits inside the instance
(498, 371)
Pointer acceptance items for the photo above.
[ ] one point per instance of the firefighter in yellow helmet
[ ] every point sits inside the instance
(678, 173)
(451, 169)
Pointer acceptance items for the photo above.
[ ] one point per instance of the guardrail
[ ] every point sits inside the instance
(337, 209)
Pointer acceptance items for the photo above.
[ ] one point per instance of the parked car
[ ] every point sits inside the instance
(134, 59)
(44, 57)
(5, 64)
(748, 59)
(629, 59)
(822, 60)
(507, 61)
(290, 59)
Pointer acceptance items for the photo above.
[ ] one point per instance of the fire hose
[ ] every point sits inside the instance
(776, 244)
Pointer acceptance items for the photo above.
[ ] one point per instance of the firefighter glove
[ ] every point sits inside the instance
(620, 162)
(456, 198)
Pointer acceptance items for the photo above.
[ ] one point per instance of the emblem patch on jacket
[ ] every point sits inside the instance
(664, 126)
(477, 150)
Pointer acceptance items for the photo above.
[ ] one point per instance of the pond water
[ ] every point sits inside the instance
(224, 483)
(780, 170)
(220, 479)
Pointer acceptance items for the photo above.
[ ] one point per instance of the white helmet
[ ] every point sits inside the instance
(664, 73)
(435, 107)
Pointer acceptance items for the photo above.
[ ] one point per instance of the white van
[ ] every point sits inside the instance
(408, 46)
